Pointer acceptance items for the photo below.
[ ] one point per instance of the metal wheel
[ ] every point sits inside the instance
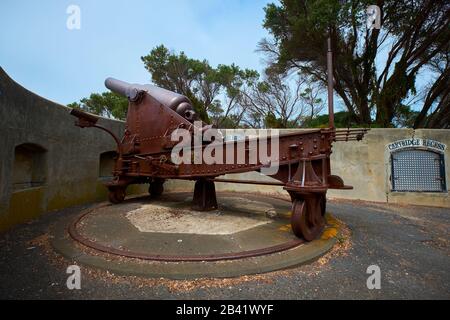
(307, 220)
(116, 195)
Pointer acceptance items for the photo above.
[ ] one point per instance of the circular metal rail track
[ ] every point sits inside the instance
(77, 236)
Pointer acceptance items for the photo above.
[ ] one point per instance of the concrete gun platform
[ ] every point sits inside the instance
(409, 243)
(163, 237)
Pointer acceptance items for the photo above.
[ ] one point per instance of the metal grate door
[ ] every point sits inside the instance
(418, 170)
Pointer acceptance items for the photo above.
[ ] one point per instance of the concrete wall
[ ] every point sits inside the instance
(65, 170)
(369, 168)
(365, 165)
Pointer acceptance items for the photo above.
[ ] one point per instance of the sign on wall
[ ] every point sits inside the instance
(417, 143)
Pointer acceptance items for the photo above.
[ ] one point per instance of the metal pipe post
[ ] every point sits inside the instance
(330, 83)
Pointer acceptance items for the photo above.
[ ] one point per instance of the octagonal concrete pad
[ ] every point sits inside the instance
(153, 217)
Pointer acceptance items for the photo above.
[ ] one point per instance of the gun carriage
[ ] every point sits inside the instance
(144, 156)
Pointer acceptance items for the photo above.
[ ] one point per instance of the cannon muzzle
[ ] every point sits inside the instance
(123, 88)
(84, 119)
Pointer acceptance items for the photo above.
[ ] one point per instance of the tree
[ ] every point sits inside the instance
(236, 83)
(197, 80)
(282, 101)
(226, 96)
(190, 77)
(341, 120)
(438, 94)
(214, 92)
(107, 104)
(311, 98)
(375, 70)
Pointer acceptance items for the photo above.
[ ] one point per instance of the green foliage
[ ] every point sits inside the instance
(272, 122)
(404, 117)
(230, 122)
(107, 104)
(196, 79)
(342, 119)
(232, 78)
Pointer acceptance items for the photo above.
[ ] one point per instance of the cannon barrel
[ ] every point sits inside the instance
(123, 88)
(175, 101)
(85, 119)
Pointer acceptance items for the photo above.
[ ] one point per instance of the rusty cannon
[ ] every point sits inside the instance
(145, 155)
(160, 142)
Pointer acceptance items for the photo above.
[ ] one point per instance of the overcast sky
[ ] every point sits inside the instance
(43, 55)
